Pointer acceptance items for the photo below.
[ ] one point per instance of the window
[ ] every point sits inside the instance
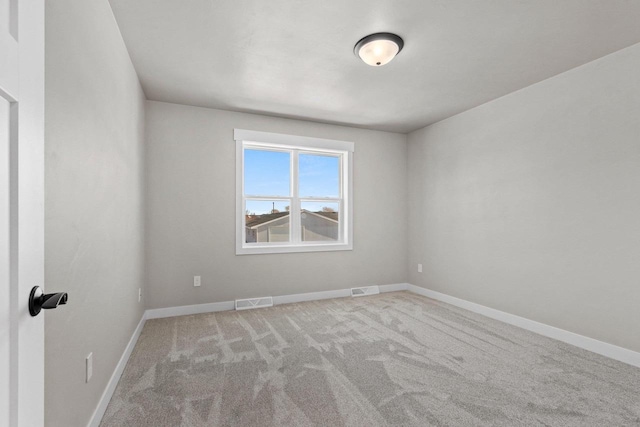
(294, 194)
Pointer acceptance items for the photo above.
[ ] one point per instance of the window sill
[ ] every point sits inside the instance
(282, 249)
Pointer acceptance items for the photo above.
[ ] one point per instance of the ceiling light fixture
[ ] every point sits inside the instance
(379, 48)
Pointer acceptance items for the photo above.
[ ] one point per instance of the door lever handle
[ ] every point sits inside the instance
(38, 300)
(52, 300)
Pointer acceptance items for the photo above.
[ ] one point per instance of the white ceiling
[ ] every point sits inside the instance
(294, 58)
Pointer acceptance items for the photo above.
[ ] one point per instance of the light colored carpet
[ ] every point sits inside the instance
(390, 359)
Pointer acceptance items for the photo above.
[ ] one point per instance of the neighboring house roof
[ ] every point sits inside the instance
(258, 220)
(254, 221)
(329, 215)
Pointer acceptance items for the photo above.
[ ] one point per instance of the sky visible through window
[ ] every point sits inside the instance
(267, 173)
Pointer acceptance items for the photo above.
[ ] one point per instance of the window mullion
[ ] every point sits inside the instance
(269, 198)
(295, 205)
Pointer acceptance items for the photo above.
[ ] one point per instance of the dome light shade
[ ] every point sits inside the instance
(379, 48)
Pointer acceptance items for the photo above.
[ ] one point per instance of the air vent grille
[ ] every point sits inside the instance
(246, 304)
(366, 290)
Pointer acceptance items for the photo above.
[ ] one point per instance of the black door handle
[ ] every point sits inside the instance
(38, 300)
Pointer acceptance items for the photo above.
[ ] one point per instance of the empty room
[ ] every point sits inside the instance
(319, 213)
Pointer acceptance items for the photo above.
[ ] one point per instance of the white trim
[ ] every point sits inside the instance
(338, 293)
(311, 296)
(343, 150)
(185, 310)
(347, 208)
(158, 313)
(305, 142)
(394, 287)
(605, 349)
(283, 248)
(240, 211)
(96, 418)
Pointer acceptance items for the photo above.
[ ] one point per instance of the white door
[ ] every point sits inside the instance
(21, 210)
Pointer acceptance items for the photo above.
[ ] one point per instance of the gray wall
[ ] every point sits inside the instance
(191, 211)
(530, 204)
(94, 208)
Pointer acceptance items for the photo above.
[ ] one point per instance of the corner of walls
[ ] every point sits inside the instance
(94, 208)
(415, 201)
(407, 206)
(528, 204)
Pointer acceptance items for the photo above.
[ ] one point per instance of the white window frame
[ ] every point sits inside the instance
(297, 145)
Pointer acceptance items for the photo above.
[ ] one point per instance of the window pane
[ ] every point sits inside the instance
(267, 173)
(267, 221)
(319, 176)
(320, 221)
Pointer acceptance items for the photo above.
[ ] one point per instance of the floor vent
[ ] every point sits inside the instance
(366, 290)
(246, 304)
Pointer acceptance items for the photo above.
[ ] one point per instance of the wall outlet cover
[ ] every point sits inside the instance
(89, 367)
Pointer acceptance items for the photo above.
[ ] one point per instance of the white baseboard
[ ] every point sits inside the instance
(96, 418)
(311, 296)
(185, 310)
(394, 287)
(338, 293)
(158, 313)
(605, 349)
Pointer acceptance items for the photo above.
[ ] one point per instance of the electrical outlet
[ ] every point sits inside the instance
(139, 294)
(419, 268)
(197, 281)
(89, 366)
